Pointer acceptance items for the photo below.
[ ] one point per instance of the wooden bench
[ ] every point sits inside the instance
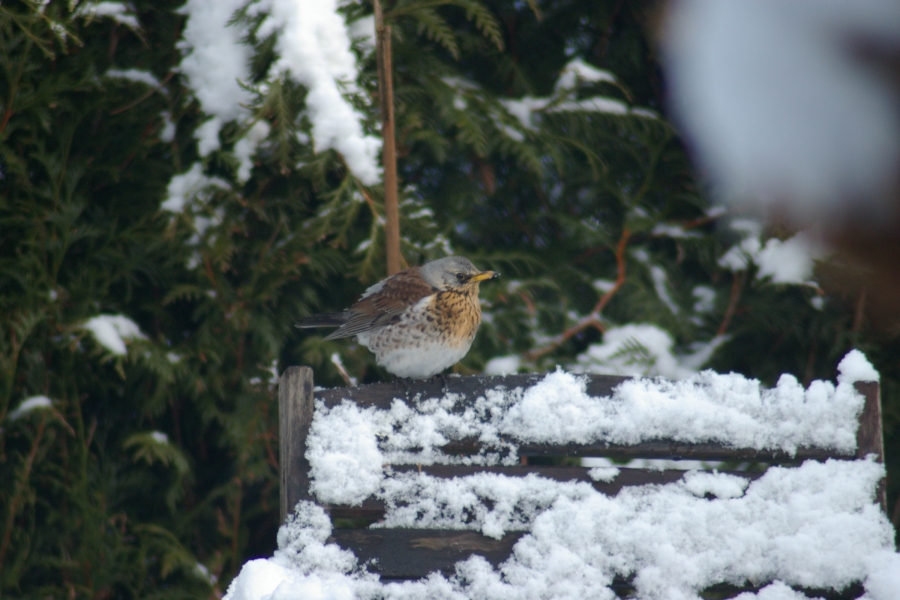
(404, 554)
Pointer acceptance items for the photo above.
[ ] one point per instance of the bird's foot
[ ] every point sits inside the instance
(405, 383)
(440, 376)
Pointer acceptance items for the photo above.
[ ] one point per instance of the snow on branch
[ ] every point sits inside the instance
(315, 49)
(112, 331)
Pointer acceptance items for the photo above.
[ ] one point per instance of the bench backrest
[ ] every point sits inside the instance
(413, 553)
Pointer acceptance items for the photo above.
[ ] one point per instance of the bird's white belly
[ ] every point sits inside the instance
(421, 362)
(415, 347)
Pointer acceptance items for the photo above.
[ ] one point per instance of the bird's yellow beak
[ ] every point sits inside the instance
(484, 276)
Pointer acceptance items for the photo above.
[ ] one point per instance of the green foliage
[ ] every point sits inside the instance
(154, 473)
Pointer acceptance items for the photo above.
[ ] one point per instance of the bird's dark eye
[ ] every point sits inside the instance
(460, 277)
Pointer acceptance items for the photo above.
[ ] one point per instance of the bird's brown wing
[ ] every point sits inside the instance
(384, 304)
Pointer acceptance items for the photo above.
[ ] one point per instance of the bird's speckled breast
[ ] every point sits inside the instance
(458, 315)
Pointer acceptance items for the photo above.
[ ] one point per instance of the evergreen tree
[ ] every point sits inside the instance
(532, 139)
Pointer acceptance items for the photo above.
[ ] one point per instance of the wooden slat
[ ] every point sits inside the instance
(414, 553)
(655, 449)
(373, 509)
(295, 412)
(401, 554)
(382, 394)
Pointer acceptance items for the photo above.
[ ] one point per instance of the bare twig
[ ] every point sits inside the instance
(593, 319)
(342, 370)
(143, 97)
(737, 286)
(389, 148)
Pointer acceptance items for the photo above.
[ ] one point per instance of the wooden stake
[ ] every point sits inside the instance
(295, 412)
(870, 436)
(389, 149)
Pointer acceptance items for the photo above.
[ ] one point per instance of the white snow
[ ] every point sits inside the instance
(488, 502)
(603, 285)
(345, 462)
(564, 97)
(348, 446)
(111, 332)
(524, 108)
(167, 133)
(785, 113)
(660, 284)
(595, 104)
(134, 75)
(606, 474)
(214, 62)
(673, 231)
(705, 299)
(577, 71)
(363, 30)
(159, 437)
(203, 573)
(116, 11)
(28, 405)
(856, 367)
(657, 464)
(815, 525)
(739, 256)
(643, 349)
(790, 261)
(314, 48)
(186, 186)
(884, 576)
(503, 365)
(246, 146)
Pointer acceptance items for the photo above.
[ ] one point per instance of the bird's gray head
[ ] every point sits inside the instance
(454, 272)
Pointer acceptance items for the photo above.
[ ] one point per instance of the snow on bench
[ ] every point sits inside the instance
(455, 514)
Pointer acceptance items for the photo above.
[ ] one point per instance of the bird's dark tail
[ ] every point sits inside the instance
(323, 320)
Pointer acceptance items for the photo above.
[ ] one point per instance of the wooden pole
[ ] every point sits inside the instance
(295, 412)
(389, 148)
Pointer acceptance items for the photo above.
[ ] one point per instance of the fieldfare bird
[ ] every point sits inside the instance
(419, 321)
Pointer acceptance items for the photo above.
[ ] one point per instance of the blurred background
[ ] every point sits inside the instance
(181, 182)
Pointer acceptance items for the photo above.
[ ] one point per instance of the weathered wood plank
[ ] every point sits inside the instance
(472, 386)
(382, 394)
(373, 509)
(870, 435)
(655, 449)
(295, 412)
(414, 553)
(402, 554)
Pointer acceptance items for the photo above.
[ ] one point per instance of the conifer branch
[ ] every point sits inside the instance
(144, 96)
(20, 486)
